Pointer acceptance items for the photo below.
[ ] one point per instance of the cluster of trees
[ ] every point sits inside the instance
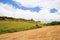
(6, 18)
(16, 19)
(54, 23)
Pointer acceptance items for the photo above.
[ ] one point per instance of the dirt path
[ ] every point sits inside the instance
(46, 33)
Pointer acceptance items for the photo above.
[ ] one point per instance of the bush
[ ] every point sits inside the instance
(37, 26)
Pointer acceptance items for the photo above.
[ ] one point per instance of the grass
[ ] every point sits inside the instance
(15, 26)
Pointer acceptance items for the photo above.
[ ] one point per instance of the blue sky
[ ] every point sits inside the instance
(17, 5)
(41, 10)
(53, 10)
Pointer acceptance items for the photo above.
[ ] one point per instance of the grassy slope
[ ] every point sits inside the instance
(12, 26)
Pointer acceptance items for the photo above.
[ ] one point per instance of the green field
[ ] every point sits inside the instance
(9, 26)
(14, 26)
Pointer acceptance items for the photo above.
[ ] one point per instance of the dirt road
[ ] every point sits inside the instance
(46, 33)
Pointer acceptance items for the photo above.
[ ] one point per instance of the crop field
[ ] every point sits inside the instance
(14, 26)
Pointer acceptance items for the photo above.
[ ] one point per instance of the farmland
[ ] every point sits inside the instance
(14, 26)
(9, 24)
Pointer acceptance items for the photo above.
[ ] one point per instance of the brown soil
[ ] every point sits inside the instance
(46, 33)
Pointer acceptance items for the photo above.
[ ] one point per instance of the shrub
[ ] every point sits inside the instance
(37, 26)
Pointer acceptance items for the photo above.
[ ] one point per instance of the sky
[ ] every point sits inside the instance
(39, 10)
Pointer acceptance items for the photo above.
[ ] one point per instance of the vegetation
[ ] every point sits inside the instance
(9, 25)
(53, 23)
(14, 26)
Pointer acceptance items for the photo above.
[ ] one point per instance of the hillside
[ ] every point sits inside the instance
(9, 25)
(45, 33)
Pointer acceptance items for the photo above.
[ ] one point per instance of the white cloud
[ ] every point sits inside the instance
(43, 15)
(6, 10)
(41, 3)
